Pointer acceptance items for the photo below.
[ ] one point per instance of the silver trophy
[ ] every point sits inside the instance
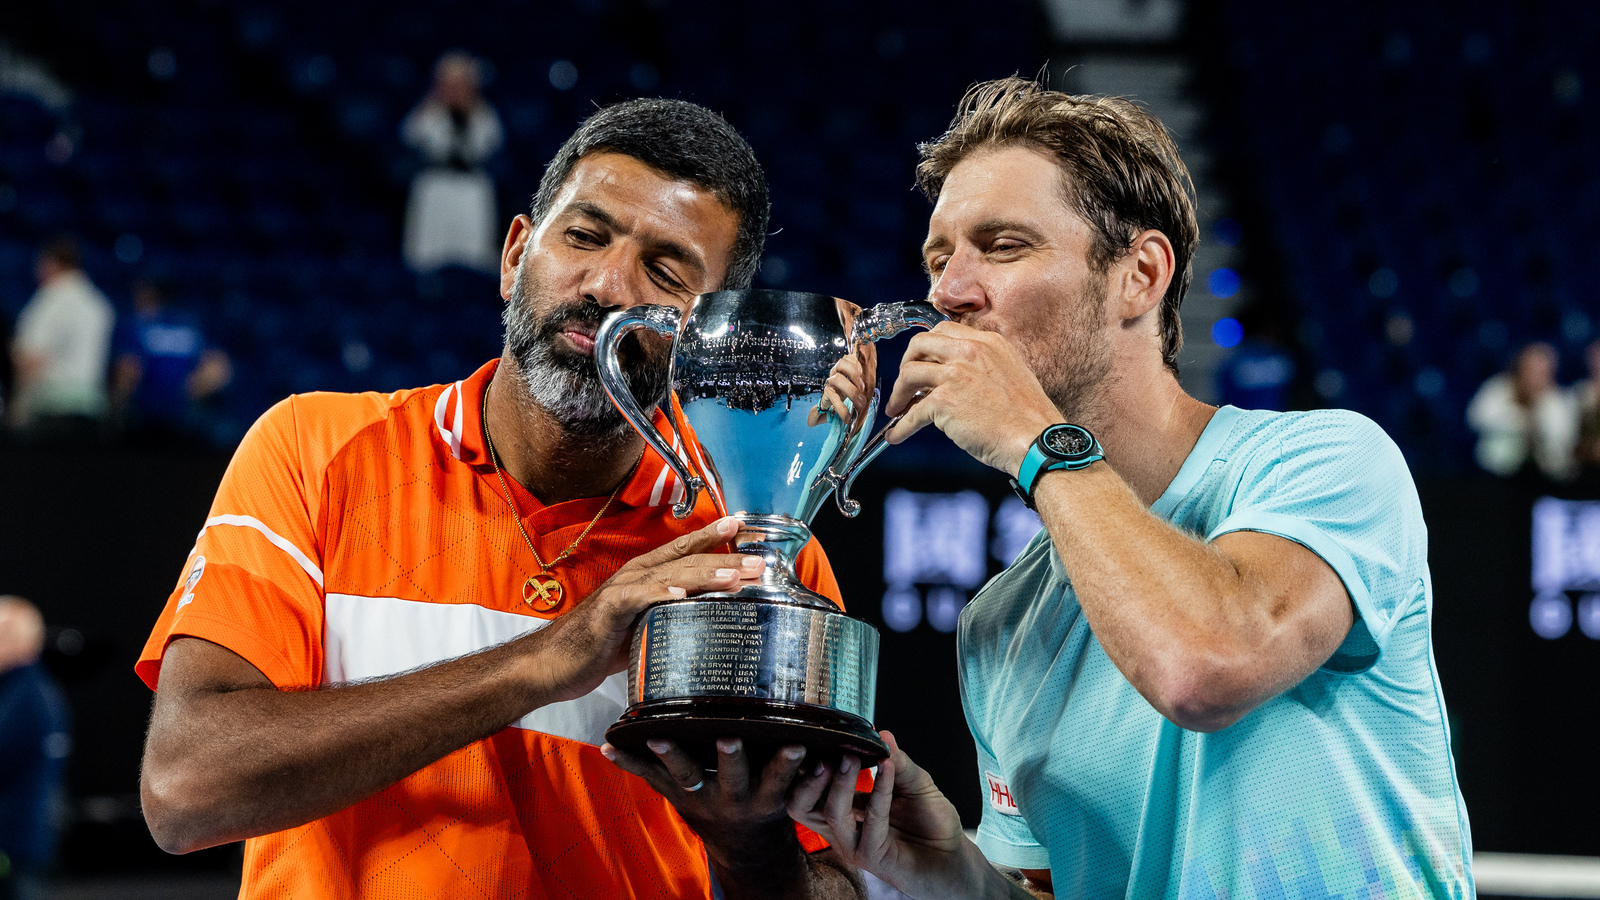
(772, 662)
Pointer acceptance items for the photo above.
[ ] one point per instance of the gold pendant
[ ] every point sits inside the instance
(543, 594)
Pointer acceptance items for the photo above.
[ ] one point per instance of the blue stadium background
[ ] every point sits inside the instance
(1414, 195)
(249, 154)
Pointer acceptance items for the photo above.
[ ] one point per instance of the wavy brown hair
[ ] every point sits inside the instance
(1120, 172)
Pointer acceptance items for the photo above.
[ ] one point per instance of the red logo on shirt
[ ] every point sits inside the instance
(1000, 795)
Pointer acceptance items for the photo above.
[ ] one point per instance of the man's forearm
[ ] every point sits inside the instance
(230, 756)
(1205, 631)
(1141, 581)
(222, 765)
(778, 868)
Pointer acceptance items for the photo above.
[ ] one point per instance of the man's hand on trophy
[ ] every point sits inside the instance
(904, 830)
(739, 812)
(976, 388)
(853, 379)
(578, 650)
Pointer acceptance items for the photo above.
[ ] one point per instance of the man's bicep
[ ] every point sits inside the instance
(1303, 599)
(1333, 483)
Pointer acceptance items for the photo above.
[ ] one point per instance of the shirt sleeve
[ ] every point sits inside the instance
(253, 582)
(1004, 837)
(1335, 483)
(1003, 833)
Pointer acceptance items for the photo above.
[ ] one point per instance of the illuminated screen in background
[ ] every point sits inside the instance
(1566, 568)
(936, 550)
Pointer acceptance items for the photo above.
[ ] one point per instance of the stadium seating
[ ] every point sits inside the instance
(248, 153)
(1428, 171)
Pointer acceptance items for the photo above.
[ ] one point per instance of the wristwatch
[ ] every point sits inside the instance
(1060, 446)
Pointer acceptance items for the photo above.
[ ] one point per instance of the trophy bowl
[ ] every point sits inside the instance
(772, 662)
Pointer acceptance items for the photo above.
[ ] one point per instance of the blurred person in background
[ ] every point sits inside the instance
(450, 219)
(1526, 423)
(1211, 673)
(393, 653)
(60, 351)
(1586, 394)
(34, 743)
(6, 373)
(165, 371)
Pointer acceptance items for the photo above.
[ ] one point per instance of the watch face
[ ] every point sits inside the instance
(1066, 441)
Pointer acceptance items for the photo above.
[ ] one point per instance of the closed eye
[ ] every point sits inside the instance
(662, 275)
(584, 237)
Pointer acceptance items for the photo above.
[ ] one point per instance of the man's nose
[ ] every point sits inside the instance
(612, 280)
(958, 290)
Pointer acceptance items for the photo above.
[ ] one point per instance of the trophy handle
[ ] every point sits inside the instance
(664, 321)
(878, 323)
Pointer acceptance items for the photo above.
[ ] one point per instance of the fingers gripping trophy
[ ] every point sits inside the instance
(779, 389)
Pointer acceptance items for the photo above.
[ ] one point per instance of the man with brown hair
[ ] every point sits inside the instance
(1210, 674)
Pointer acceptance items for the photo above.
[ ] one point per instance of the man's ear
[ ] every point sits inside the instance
(517, 238)
(1146, 271)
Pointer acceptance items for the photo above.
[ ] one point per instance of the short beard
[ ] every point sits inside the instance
(1075, 381)
(1072, 358)
(565, 384)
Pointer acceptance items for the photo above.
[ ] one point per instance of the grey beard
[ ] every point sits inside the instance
(577, 400)
(568, 387)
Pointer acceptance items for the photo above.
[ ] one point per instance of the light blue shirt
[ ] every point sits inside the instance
(1342, 786)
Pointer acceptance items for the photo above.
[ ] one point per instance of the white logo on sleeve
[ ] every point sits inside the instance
(1000, 795)
(195, 571)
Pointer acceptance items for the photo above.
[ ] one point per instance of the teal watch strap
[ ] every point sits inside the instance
(1038, 461)
(1034, 465)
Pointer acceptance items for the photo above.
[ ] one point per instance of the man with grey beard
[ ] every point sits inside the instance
(564, 382)
(391, 657)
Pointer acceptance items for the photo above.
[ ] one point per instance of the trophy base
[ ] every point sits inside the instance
(763, 726)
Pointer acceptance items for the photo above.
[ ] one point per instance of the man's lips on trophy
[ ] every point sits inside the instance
(577, 333)
(577, 326)
(581, 336)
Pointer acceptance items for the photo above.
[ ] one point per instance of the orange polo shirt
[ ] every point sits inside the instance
(356, 536)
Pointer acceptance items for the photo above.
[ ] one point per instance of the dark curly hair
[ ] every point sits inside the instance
(685, 142)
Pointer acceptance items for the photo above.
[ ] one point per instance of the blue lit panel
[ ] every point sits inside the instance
(1566, 560)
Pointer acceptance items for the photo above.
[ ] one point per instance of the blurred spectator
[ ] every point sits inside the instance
(450, 219)
(164, 371)
(1586, 394)
(1260, 372)
(34, 743)
(1524, 419)
(59, 353)
(5, 371)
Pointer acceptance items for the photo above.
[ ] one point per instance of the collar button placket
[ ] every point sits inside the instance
(541, 591)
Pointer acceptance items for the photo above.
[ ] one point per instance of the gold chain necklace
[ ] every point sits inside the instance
(542, 592)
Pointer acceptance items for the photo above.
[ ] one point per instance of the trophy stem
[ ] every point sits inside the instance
(778, 539)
